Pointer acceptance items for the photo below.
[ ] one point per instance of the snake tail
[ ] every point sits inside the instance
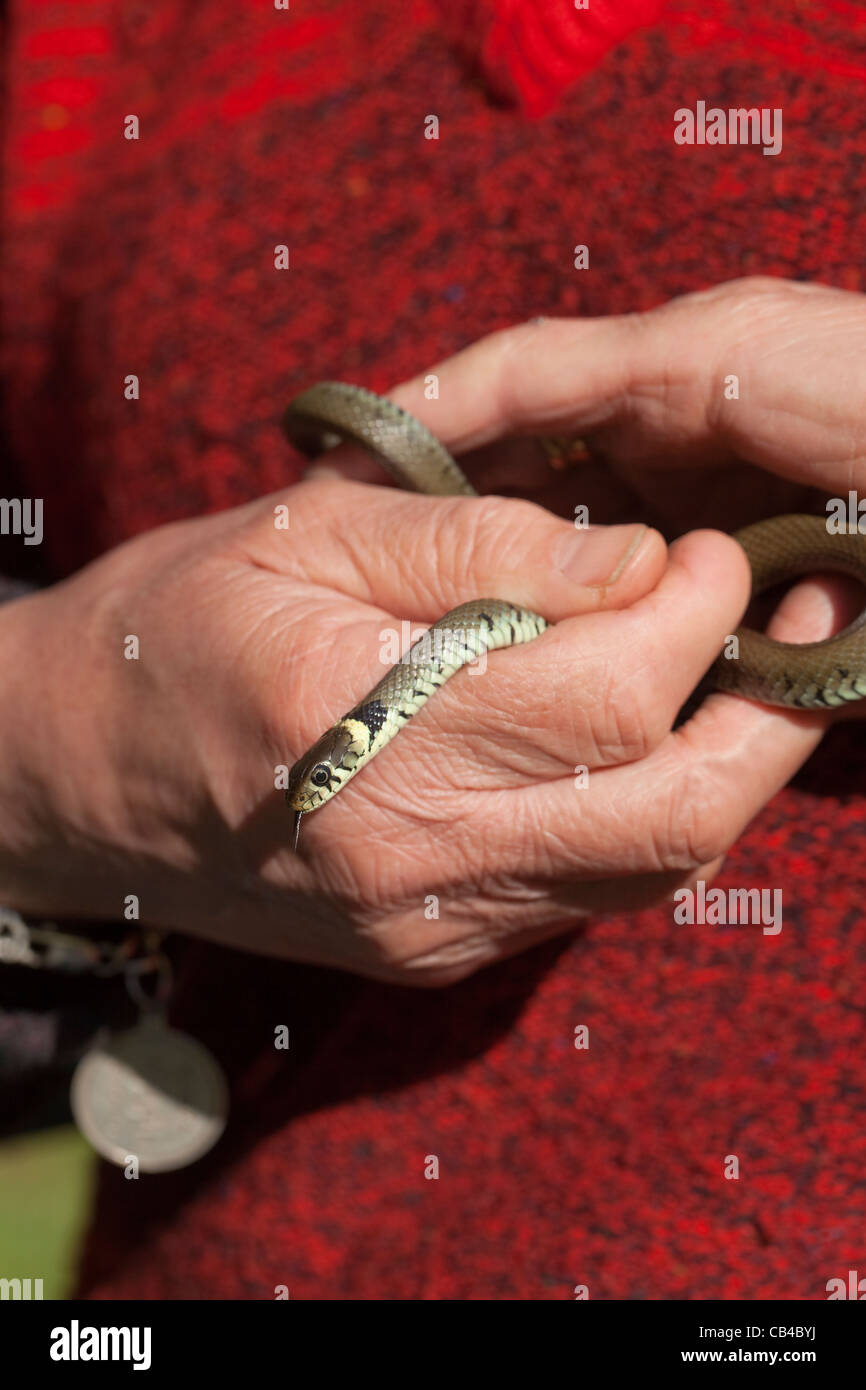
(797, 675)
(332, 412)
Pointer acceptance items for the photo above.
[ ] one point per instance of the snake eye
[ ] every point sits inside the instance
(320, 776)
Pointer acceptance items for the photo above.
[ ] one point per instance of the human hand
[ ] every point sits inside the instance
(153, 777)
(148, 701)
(670, 442)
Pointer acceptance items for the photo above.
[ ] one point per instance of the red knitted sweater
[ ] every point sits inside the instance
(266, 126)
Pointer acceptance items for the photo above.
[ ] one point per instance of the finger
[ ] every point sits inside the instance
(814, 609)
(405, 561)
(468, 936)
(633, 892)
(419, 557)
(685, 804)
(348, 461)
(656, 382)
(601, 689)
(691, 799)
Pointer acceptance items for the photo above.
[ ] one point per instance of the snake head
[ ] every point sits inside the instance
(319, 774)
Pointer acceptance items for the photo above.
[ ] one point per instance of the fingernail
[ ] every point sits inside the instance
(597, 557)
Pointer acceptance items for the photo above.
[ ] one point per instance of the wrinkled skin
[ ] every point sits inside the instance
(156, 776)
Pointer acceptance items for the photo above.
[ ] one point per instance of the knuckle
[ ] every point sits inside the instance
(630, 726)
(688, 824)
(755, 287)
(450, 961)
(751, 286)
(496, 523)
(432, 975)
(519, 337)
(488, 516)
(747, 290)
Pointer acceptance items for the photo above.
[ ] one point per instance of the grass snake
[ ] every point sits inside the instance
(811, 675)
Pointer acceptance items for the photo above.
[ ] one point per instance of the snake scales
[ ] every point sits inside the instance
(812, 675)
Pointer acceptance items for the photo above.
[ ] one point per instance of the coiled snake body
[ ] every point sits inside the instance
(812, 675)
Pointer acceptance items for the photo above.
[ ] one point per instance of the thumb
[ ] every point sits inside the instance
(422, 556)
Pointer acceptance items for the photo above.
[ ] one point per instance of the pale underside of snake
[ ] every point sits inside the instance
(811, 675)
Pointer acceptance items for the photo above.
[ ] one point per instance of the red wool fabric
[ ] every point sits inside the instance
(558, 1167)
